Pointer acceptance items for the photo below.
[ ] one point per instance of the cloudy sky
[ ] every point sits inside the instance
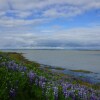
(50, 24)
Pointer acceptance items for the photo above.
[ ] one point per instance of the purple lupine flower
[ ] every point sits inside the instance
(31, 76)
(20, 68)
(14, 67)
(11, 62)
(24, 68)
(12, 92)
(66, 95)
(55, 89)
(93, 97)
(43, 85)
(64, 89)
(80, 94)
(42, 81)
(71, 93)
(41, 78)
(9, 67)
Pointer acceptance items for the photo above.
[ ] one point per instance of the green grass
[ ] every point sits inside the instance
(56, 68)
(83, 71)
(20, 82)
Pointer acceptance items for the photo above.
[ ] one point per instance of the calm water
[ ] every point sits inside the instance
(86, 60)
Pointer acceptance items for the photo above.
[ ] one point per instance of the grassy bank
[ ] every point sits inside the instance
(83, 71)
(21, 79)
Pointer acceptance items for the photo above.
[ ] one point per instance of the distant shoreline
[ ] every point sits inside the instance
(56, 68)
(57, 49)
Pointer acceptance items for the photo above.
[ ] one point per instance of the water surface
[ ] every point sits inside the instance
(69, 59)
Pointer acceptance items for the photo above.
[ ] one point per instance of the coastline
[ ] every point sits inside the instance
(33, 79)
(71, 60)
(82, 75)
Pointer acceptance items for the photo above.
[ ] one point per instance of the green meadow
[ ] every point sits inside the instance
(21, 79)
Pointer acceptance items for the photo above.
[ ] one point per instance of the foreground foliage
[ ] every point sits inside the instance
(24, 80)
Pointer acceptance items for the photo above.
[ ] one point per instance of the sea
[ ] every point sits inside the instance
(68, 59)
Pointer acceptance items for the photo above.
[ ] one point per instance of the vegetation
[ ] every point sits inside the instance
(21, 79)
(56, 68)
(83, 71)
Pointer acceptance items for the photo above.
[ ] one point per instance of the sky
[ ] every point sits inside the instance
(53, 24)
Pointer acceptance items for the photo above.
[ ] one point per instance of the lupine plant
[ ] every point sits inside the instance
(18, 82)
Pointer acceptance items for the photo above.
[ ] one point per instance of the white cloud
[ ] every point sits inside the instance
(23, 14)
(14, 12)
(2, 13)
(50, 8)
(4, 5)
(66, 38)
(81, 36)
(21, 4)
(64, 11)
(11, 22)
(14, 17)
